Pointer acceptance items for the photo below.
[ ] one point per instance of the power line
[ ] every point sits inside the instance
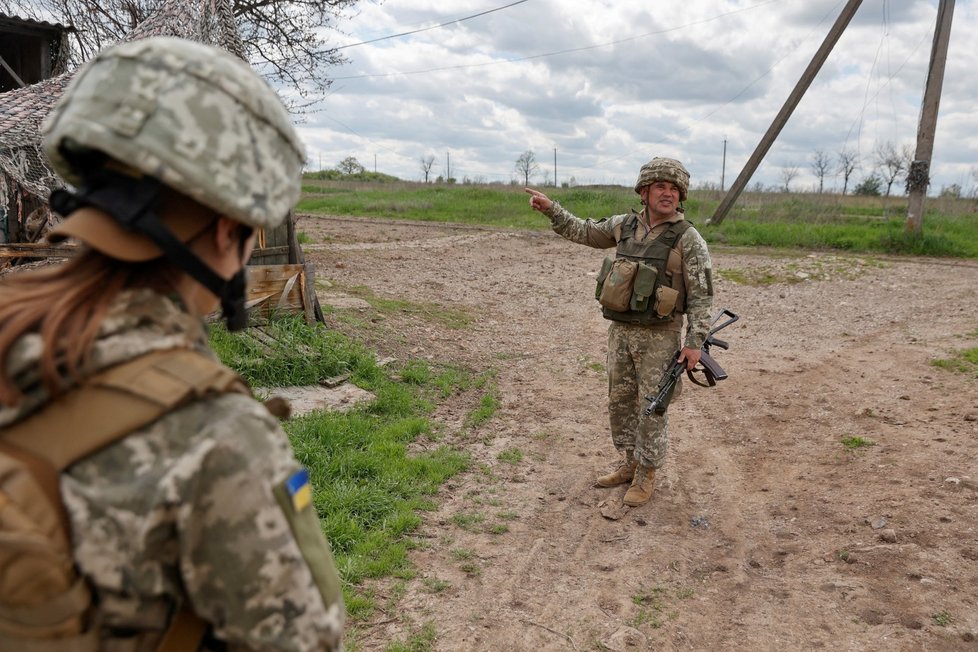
(560, 52)
(425, 29)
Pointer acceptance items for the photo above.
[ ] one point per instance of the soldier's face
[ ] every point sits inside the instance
(662, 197)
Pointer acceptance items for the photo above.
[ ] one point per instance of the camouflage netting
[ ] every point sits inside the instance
(26, 179)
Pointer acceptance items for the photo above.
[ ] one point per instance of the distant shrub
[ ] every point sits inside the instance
(871, 186)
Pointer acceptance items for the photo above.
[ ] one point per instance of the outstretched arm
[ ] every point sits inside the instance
(599, 234)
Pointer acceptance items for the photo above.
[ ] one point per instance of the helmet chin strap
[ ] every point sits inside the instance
(134, 204)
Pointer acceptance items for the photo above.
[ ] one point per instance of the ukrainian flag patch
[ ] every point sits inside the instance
(299, 489)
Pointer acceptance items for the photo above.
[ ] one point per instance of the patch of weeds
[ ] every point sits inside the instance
(652, 606)
(499, 528)
(855, 442)
(647, 617)
(685, 593)
(351, 320)
(360, 603)
(651, 597)
(791, 273)
(435, 585)
(842, 554)
(462, 554)
(510, 456)
(467, 521)
(453, 318)
(303, 238)
(421, 640)
(965, 362)
(396, 592)
(488, 405)
(942, 618)
(755, 276)
(470, 568)
(595, 366)
(508, 516)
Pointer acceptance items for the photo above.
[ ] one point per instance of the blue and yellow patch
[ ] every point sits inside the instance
(299, 490)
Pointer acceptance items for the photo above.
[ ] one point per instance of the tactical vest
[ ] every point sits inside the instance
(662, 256)
(45, 605)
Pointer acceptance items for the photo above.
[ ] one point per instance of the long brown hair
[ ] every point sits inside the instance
(66, 304)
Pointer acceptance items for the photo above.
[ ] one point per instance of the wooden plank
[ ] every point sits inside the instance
(276, 288)
(36, 250)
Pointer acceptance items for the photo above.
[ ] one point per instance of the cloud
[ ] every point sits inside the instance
(610, 84)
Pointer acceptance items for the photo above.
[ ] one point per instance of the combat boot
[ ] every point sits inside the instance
(624, 473)
(642, 486)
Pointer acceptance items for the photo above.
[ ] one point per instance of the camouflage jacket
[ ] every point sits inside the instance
(183, 512)
(698, 269)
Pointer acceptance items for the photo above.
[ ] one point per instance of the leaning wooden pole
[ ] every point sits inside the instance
(789, 106)
(918, 178)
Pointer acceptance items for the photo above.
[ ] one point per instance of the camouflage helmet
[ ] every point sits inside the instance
(191, 115)
(664, 169)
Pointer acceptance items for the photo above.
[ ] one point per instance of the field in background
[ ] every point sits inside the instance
(783, 220)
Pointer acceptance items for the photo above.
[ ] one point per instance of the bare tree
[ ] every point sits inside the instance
(350, 165)
(427, 162)
(892, 164)
(848, 162)
(526, 165)
(788, 174)
(283, 39)
(820, 166)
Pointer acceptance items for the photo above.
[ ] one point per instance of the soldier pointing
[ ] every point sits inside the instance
(660, 275)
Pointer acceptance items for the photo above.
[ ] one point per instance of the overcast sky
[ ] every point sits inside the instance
(610, 84)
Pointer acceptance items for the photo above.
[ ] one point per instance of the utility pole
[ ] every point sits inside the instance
(723, 167)
(789, 106)
(918, 177)
(375, 164)
(448, 166)
(555, 167)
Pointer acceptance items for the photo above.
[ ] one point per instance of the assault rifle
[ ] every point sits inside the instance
(712, 372)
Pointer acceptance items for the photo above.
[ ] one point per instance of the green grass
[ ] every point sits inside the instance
(965, 361)
(455, 318)
(299, 355)
(420, 640)
(487, 407)
(759, 219)
(368, 488)
(510, 456)
(942, 618)
(856, 442)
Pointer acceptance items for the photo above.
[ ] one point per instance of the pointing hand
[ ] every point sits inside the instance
(538, 200)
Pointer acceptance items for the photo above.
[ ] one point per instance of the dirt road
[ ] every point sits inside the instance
(765, 531)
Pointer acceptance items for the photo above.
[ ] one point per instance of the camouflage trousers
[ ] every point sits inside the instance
(637, 358)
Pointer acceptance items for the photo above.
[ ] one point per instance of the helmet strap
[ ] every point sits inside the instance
(134, 204)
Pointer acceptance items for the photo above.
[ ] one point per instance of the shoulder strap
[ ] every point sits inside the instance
(106, 408)
(119, 401)
(673, 233)
(628, 226)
